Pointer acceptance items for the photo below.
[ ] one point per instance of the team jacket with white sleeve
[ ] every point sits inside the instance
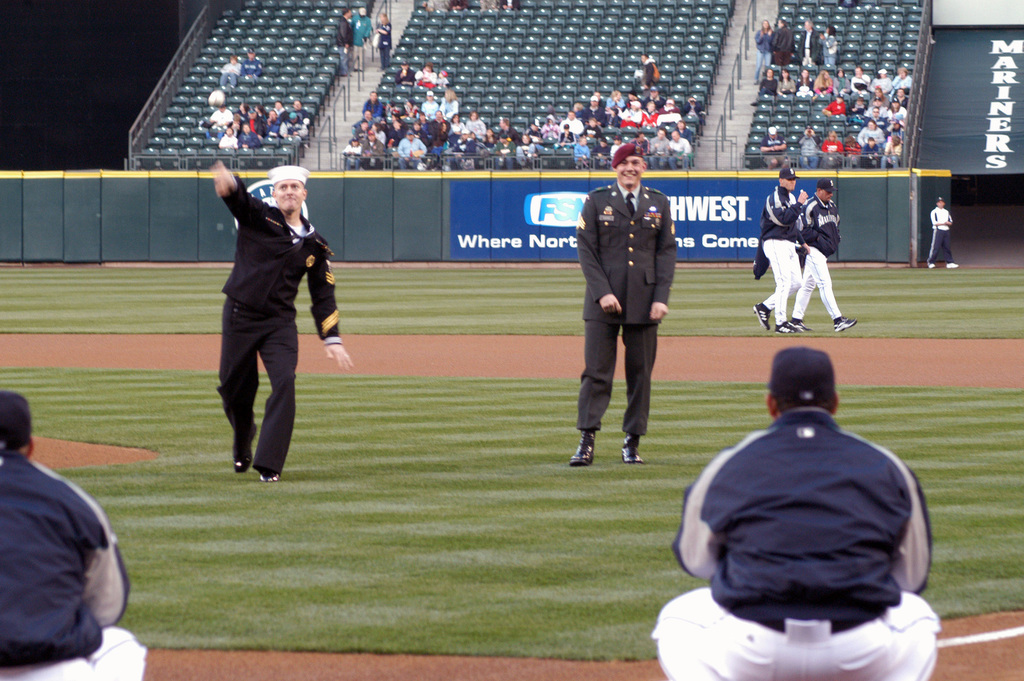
(62, 579)
(804, 520)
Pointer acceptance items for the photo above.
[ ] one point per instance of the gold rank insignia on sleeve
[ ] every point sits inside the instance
(328, 323)
(310, 260)
(329, 277)
(581, 223)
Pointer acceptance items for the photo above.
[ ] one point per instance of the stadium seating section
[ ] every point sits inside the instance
(882, 35)
(295, 41)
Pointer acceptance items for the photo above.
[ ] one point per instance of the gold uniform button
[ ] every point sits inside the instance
(630, 249)
(630, 236)
(630, 263)
(631, 222)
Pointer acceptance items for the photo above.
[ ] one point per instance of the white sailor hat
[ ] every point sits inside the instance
(281, 173)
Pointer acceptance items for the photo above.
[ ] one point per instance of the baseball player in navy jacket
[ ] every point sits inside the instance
(63, 584)
(780, 240)
(816, 543)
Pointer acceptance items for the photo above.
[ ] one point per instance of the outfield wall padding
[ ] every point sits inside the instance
(171, 216)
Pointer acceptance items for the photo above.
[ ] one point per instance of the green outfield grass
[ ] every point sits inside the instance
(431, 515)
(890, 303)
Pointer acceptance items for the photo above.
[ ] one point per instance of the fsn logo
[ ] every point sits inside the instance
(557, 209)
(264, 191)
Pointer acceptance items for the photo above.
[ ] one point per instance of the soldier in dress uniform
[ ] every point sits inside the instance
(276, 246)
(627, 250)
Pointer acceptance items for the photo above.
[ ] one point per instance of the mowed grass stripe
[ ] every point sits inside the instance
(890, 303)
(439, 515)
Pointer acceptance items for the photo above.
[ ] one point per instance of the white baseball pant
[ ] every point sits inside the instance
(700, 641)
(785, 264)
(119, 658)
(816, 274)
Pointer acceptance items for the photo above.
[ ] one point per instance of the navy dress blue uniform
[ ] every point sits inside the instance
(259, 318)
(632, 255)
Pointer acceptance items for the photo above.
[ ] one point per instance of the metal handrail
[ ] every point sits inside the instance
(735, 78)
(922, 65)
(173, 76)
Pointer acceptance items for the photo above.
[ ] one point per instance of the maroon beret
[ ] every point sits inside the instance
(625, 151)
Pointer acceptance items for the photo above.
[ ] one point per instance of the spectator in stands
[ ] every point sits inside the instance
(411, 151)
(220, 119)
(549, 131)
(430, 105)
(252, 67)
(593, 128)
(649, 118)
(526, 152)
(773, 149)
(575, 124)
(581, 153)
(566, 137)
(596, 111)
(464, 151)
(870, 153)
(534, 132)
(601, 156)
(669, 115)
(477, 126)
(832, 151)
(685, 132)
(654, 95)
(505, 130)
(837, 108)
(510, 5)
(840, 83)
(782, 44)
(405, 75)
(810, 145)
(439, 129)
(879, 99)
(787, 86)
(344, 40)
(410, 112)
(243, 110)
(384, 40)
(374, 106)
(426, 77)
(882, 81)
(615, 101)
(895, 113)
(258, 121)
(902, 80)
(353, 154)
(228, 139)
(871, 131)
(505, 153)
(660, 151)
(648, 73)
(769, 86)
(457, 127)
(279, 108)
(449, 103)
(763, 40)
(681, 151)
(616, 143)
(458, 5)
(304, 115)
(901, 97)
(273, 124)
(807, 46)
(230, 73)
(396, 133)
(694, 108)
(876, 116)
(858, 113)
(823, 85)
(363, 126)
(249, 139)
(632, 117)
(436, 5)
(643, 145)
(859, 82)
(488, 144)
(829, 48)
(374, 152)
(294, 127)
(488, 5)
(362, 29)
(851, 146)
(805, 84)
(893, 151)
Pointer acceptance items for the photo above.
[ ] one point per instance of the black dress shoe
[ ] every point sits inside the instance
(242, 453)
(631, 449)
(584, 455)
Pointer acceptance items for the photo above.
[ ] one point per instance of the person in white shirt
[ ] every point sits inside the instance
(681, 150)
(228, 141)
(575, 124)
(902, 80)
(883, 81)
(941, 221)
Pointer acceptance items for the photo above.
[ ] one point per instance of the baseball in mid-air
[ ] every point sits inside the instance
(217, 98)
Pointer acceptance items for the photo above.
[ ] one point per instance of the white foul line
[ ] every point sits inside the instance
(981, 638)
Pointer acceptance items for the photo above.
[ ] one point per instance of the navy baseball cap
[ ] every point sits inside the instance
(827, 185)
(802, 375)
(787, 174)
(15, 421)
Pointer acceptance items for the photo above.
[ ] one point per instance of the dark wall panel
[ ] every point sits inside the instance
(82, 218)
(418, 218)
(369, 227)
(43, 217)
(125, 198)
(10, 217)
(861, 199)
(173, 218)
(898, 219)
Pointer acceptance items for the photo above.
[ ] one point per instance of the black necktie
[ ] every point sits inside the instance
(630, 204)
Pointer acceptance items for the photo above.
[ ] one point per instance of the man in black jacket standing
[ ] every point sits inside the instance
(276, 247)
(782, 44)
(344, 40)
(627, 249)
(819, 225)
